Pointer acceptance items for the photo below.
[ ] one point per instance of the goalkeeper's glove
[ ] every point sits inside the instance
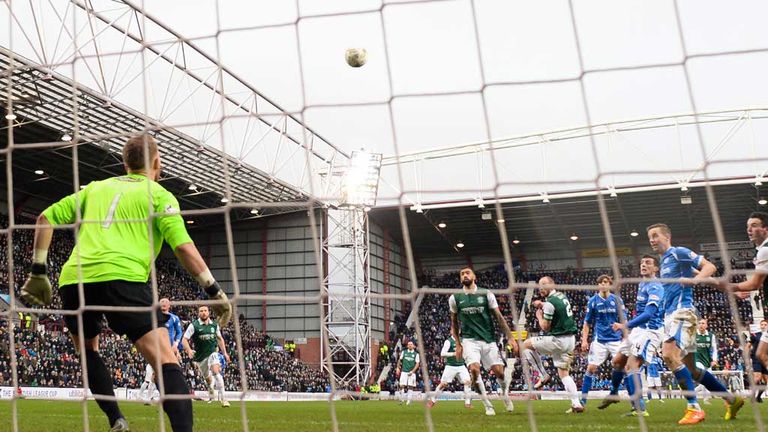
(223, 308)
(37, 288)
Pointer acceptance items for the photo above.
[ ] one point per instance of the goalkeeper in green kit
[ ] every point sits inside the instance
(111, 259)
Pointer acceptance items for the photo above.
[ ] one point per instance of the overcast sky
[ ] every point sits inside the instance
(439, 81)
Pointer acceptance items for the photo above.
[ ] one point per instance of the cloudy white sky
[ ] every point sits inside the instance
(437, 77)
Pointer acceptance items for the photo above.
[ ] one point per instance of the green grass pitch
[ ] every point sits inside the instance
(378, 416)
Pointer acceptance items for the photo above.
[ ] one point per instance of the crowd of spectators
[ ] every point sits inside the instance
(435, 324)
(46, 357)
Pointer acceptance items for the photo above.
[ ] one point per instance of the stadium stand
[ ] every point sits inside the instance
(46, 356)
(435, 326)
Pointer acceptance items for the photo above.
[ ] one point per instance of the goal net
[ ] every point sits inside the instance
(337, 204)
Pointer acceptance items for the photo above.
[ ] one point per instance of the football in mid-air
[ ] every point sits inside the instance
(356, 57)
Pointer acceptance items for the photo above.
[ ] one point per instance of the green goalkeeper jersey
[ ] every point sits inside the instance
(557, 309)
(113, 242)
(204, 338)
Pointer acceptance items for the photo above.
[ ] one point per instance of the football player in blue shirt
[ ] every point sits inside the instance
(687, 269)
(644, 340)
(175, 331)
(602, 313)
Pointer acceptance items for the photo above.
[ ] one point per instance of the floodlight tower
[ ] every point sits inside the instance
(347, 323)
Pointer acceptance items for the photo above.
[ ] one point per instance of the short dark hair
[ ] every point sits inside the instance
(653, 257)
(763, 216)
(465, 268)
(664, 227)
(133, 151)
(603, 277)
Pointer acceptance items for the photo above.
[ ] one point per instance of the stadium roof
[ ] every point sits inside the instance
(133, 69)
(549, 226)
(45, 110)
(510, 99)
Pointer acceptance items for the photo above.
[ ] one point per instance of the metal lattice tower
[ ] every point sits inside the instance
(347, 322)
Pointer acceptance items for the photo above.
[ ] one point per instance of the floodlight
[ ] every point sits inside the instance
(361, 181)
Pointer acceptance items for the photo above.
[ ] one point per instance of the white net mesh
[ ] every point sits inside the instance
(519, 103)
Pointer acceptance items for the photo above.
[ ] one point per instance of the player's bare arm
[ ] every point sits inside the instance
(37, 288)
(585, 337)
(223, 348)
(754, 283)
(455, 334)
(187, 347)
(704, 275)
(544, 323)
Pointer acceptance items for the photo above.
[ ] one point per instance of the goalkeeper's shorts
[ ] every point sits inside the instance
(133, 324)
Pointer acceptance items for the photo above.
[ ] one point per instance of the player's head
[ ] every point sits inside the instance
(203, 313)
(467, 276)
(660, 237)
(649, 266)
(703, 325)
(757, 227)
(165, 305)
(763, 325)
(410, 345)
(546, 286)
(604, 283)
(135, 157)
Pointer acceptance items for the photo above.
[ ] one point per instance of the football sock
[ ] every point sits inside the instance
(685, 380)
(219, 383)
(713, 385)
(483, 394)
(571, 389)
(100, 383)
(143, 388)
(634, 388)
(586, 385)
(438, 392)
(508, 371)
(179, 411)
(505, 386)
(617, 376)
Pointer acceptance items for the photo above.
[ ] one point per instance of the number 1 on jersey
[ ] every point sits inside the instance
(111, 214)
